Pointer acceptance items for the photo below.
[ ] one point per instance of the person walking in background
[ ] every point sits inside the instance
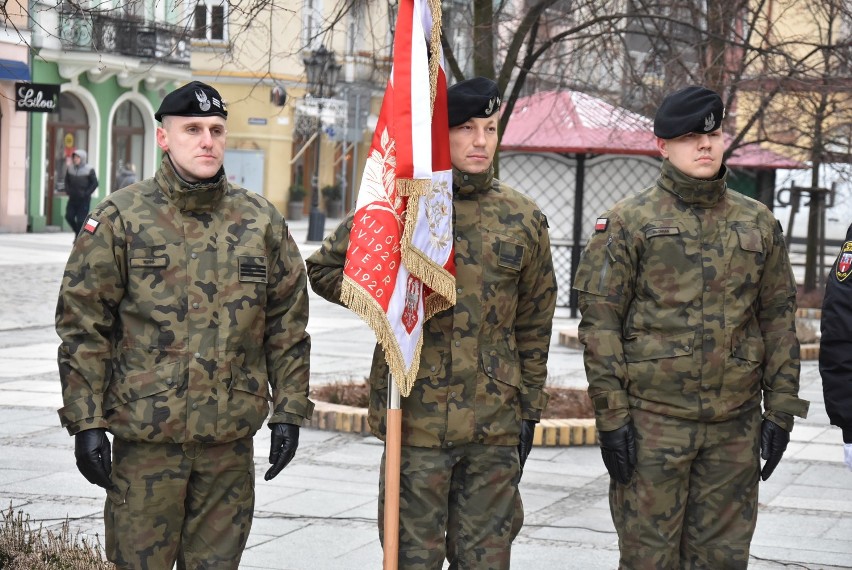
(182, 315)
(80, 183)
(126, 176)
(835, 345)
(688, 308)
(467, 426)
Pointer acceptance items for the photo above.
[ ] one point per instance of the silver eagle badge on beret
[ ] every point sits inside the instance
(203, 101)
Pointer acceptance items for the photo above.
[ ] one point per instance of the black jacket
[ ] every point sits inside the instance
(835, 352)
(80, 181)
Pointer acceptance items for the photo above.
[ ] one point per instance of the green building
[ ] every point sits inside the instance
(113, 67)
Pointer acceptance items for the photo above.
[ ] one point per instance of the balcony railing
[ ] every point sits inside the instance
(105, 32)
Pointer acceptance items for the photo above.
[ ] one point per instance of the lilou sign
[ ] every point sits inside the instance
(36, 97)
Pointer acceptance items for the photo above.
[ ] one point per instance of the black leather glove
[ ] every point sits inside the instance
(773, 443)
(618, 448)
(526, 441)
(285, 440)
(94, 457)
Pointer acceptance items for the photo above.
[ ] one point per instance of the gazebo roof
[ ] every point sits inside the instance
(575, 122)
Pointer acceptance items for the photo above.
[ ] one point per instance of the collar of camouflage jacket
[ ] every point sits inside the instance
(692, 191)
(465, 183)
(198, 197)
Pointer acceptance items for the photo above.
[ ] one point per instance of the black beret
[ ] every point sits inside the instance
(476, 97)
(195, 99)
(690, 110)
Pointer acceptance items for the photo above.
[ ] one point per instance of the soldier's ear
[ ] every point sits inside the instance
(661, 146)
(162, 139)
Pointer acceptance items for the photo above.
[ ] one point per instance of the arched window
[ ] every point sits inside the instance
(67, 130)
(128, 139)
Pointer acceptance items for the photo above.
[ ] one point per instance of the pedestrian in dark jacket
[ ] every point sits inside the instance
(835, 350)
(80, 182)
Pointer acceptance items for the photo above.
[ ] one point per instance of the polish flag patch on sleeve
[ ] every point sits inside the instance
(601, 224)
(91, 225)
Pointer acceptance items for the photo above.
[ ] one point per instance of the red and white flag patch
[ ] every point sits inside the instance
(844, 262)
(91, 225)
(601, 224)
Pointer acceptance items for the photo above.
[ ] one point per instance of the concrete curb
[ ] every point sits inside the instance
(548, 433)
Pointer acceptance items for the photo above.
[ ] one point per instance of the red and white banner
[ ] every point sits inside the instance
(399, 266)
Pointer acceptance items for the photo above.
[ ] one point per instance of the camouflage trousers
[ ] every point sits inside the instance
(191, 504)
(461, 503)
(692, 502)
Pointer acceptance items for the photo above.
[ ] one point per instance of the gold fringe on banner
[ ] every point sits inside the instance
(412, 187)
(362, 304)
(418, 263)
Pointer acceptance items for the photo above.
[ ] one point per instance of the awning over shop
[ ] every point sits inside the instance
(11, 70)
(570, 122)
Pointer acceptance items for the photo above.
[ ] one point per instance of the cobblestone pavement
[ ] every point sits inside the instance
(320, 513)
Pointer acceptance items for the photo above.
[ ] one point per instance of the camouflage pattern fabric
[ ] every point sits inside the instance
(688, 317)
(482, 369)
(189, 502)
(484, 361)
(688, 306)
(706, 524)
(483, 515)
(181, 305)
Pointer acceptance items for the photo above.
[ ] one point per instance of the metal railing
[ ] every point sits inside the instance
(108, 32)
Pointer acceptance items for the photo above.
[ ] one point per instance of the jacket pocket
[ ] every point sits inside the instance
(247, 404)
(498, 403)
(243, 275)
(655, 364)
(656, 347)
(147, 405)
(747, 348)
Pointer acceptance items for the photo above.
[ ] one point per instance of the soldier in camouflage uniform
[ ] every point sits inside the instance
(467, 426)
(688, 316)
(184, 300)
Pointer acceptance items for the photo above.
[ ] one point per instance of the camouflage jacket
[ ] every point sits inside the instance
(179, 307)
(484, 361)
(835, 346)
(688, 306)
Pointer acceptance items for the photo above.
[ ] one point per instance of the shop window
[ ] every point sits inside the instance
(128, 140)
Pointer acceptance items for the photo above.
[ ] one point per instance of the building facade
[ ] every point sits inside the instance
(112, 66)
(14, 68)
(257, 62)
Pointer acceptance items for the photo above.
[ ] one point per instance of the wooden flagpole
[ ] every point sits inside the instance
(393, 454)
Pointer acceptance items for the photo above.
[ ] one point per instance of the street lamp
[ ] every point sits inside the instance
(322, 71)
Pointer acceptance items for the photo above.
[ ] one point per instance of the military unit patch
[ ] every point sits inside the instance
(91, 225)
(252, 269)
(844, 262)
(601, 224)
